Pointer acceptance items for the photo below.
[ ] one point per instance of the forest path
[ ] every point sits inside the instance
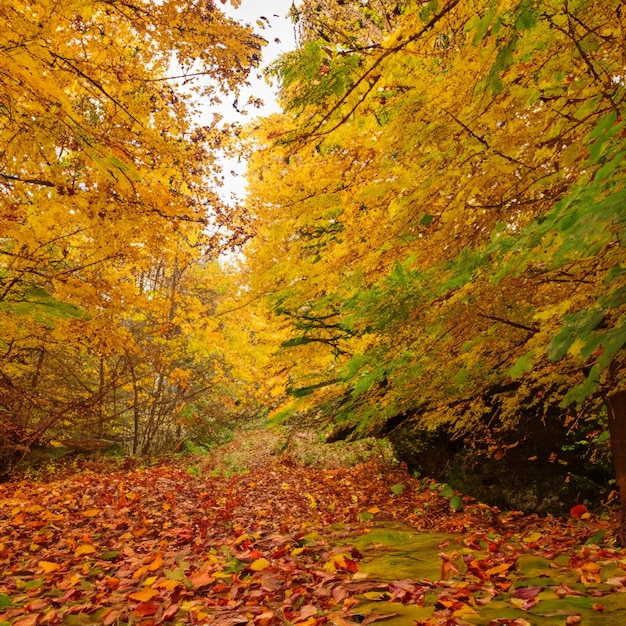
(288, 544)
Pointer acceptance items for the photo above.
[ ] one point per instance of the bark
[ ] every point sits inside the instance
(616, 404)
(136, 415)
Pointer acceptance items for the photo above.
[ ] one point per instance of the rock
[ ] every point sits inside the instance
(527, 468)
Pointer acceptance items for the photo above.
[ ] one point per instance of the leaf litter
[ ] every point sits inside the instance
(288, 544)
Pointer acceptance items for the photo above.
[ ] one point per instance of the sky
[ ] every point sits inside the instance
(268, 19)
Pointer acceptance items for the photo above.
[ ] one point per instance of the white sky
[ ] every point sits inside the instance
(268, 19)
(278, 30)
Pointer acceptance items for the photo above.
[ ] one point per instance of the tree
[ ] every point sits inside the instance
(451, 200)
(104, 175)
(349, 24)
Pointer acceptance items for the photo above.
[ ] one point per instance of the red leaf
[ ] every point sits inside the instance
(145, 609)
(350, 566)
(578, 511)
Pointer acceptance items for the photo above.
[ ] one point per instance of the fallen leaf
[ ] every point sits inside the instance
(111, 617)
(448, 569)
(202, 577)
(308, 610)
(48, 566)
(28, 620)
(144, 595)
(259, 565)
(464, 609)
(168, 583)
(84, 548)
(589, 573)
(527, 592)
(37, 605)
(156, 564)
(499, 569)
(146, 609)
(264, 618)
(170, 612)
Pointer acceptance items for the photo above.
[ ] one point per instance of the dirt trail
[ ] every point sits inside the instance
(288, 544)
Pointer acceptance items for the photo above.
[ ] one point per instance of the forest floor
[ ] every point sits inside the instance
(185, 541)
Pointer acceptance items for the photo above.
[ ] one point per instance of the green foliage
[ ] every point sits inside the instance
(299, 392)
(456, 503)
(523, 365)
(328, 70)
(397, 489)
(37, 304)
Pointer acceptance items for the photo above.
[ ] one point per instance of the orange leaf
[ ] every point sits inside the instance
(168, 583)
(202, 577)
(499, 569)
(112, 582)
(144, 595)
(84, 548)
(448, 569)
(139, 572)
(92, 512)
(156, 564)
(589, 573)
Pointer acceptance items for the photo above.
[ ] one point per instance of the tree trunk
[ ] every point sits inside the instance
(136, 416)
(101, 394)
(616, 404)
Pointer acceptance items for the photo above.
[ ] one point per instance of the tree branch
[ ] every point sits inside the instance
(379, 60)
(484, 141)
(495, 318)
(30, 181)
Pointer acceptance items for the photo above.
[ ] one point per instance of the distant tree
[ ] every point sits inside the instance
(105, 177)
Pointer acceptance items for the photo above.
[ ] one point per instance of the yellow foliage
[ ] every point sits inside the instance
(106, 195)
(382, 191)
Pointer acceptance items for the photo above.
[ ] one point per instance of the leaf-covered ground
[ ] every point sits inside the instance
(288, 544)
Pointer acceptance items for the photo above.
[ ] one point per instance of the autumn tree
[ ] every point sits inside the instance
(105, 176)
(350, 24)
(443, 212)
